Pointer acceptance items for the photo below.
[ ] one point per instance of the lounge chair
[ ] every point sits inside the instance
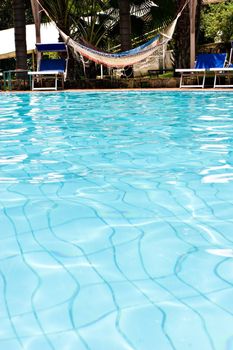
(226, 73)
(203, 65)
(50, 69)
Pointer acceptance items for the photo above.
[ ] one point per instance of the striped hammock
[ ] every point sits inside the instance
(126, 58)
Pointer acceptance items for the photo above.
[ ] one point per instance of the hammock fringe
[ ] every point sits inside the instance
(126, 58)
(122, 59)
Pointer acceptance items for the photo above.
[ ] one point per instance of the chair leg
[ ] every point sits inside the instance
(56, 82)
(215, 79)
(181, 80)
(33, 82)
(203, 81)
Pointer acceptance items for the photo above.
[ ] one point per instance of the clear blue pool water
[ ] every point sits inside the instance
(116, 221)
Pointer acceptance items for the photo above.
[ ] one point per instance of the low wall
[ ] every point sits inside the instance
(133, 83)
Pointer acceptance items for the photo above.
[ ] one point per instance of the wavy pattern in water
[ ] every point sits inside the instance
(116, 221)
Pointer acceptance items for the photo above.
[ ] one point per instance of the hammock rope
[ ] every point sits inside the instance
(122, 59)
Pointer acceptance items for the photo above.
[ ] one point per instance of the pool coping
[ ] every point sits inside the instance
(122, 90)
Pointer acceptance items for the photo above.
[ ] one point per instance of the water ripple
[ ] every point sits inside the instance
(116, 221)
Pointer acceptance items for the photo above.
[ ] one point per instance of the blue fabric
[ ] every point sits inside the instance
(56, 47)
(53, 64)
(137, 49)
(211, 60)
(131, 52)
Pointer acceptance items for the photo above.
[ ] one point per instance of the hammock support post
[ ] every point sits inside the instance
(192, 18)
(164, 55)
(37, 19)
(101, 71)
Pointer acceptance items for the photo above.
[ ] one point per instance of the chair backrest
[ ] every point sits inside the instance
(53, 64)
(211, 60)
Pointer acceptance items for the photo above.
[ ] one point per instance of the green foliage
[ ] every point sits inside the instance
(163, 14)
(217, 22)
(86, 20)
(146, 18)
(97, 21)
(6, 14)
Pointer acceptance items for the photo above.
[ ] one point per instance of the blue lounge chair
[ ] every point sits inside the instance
(50, 69)
(224, 73)
(204, 63)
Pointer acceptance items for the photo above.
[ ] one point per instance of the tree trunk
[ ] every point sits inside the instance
(192, 21)
(182, 36)
(20, 33)
(125, 24)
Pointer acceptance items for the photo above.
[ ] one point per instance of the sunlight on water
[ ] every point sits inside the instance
(116, 221)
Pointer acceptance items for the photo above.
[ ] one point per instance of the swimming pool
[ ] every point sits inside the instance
(116, 222)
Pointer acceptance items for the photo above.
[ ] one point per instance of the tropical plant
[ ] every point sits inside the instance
(87, 21)
(138, 17)
(7, 21)
(80, 19)
(217, 22)
(97, 21)
(6, 14)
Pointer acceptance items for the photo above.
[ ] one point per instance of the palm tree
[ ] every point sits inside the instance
(86, 21)
(158, 16)
(20, 33)
(151, 15)
(125, 24)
